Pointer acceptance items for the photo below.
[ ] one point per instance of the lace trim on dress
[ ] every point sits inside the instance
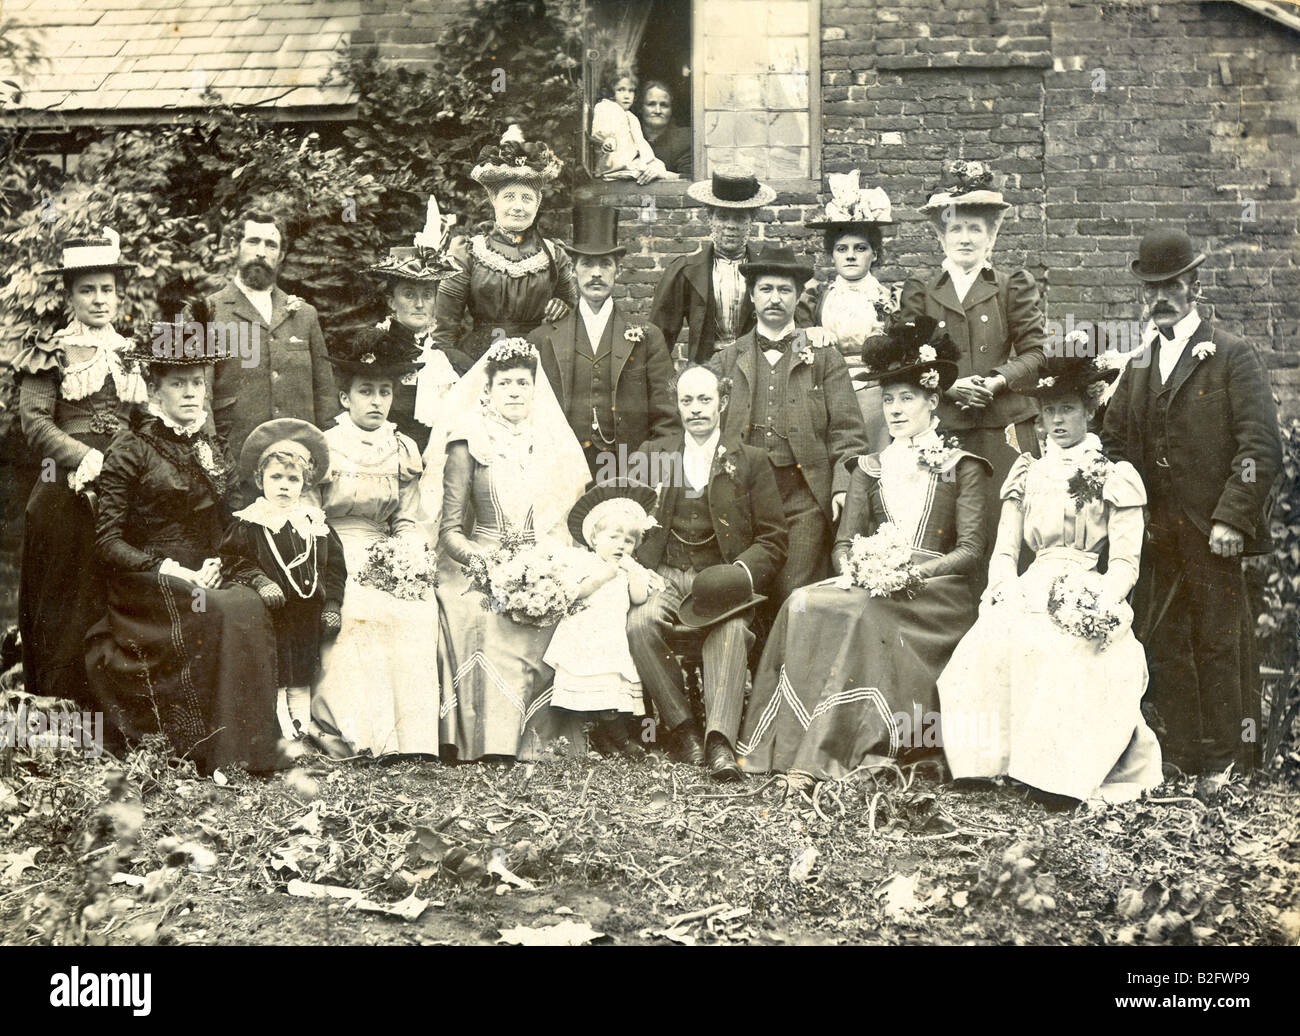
(485, 254)
(305, 519)
(79, 380)
(187, 431)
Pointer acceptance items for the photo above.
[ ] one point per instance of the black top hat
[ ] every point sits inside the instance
(643, 495)
(1064, 375)
(780, 259)
(911, 351)
(731, 187)
(595, 231)
(1165, 252)
(718, 593)
(372, 350)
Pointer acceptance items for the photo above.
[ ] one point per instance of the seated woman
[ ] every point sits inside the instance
(411, 275)
(854, 306)
(379, 686)
(1053, 707)
(183, 650)
(74, 393)
(513, 467)
(848, 677)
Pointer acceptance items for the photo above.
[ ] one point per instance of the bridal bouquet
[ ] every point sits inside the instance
(534, 585)
(881, 564)
(1076, 605)
(401, 566)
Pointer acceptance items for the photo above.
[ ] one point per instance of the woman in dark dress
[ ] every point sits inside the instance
(512, 278)
(673, 144)
(411, 275)
(182, 650)
(73, 393)
(848, 677)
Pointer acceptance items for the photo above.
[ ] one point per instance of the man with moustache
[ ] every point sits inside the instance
(718, 543)
(796, 403)
(610, 374)
(1194, 413)
(288, 374)
(707, 289)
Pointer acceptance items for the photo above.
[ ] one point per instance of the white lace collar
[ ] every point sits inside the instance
(307, 521)
(83, 379)
(1071, 457)
(485, 255)
(864, 285)
(905, 483)
(354, 431)
(186, 431)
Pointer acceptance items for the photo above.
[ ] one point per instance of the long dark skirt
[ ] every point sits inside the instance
(847, 678)
(60, 591)
(200, 669)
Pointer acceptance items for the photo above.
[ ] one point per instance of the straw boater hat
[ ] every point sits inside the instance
(1165, 252)
(514, 160)
(965, 184)
(852, 206)
(372, 350)
(285, 435)
(595, 232)
(92, 254)
(732, 187)
(911, 351)
(636, 502)
(1066, 375)
(426, 259)
(778, 259)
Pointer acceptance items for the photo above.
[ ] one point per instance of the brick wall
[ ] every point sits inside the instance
(908, 83)
(404, 30)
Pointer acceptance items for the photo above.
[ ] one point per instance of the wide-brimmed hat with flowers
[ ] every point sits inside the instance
(372, 350)
(853, 206)
(94, 253)
(635, 501)
(965, 185)
(426, 259)
(514, 160)
(1070, 375)
(160, 344)
(285, 435)
(912, 350)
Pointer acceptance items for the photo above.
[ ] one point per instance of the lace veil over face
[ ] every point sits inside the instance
(540, 462)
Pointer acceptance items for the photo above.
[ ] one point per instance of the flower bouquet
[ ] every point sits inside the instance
(401, 566)
(534, 585)
(1088, 481)
(882, 565)
(1076, 605)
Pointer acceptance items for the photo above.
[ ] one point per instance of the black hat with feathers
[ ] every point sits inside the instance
(372, 350)
(912, 350)
(1067, 374)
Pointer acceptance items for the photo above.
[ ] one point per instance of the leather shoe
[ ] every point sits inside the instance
(689, 745)
(722, 761)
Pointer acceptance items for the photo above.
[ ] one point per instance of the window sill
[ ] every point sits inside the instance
(621, 192)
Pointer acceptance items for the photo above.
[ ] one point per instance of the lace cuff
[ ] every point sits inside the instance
(87, 471)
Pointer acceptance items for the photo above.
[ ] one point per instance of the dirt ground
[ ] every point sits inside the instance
(575, 849)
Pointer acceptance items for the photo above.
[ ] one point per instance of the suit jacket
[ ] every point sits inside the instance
(748, 519)
(999, 328)
(822, 413)
(643, 407)
(685, 292)
(291, 378)
(1224, 448)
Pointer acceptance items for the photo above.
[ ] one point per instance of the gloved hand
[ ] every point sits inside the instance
(272, 596)
(330, 623)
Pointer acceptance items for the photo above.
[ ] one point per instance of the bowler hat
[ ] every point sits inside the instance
(731, 187)
(1165, 252)
(595, 231)
(718, 593)
(777, 259)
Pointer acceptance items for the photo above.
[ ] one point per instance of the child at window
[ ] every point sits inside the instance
(625, 153)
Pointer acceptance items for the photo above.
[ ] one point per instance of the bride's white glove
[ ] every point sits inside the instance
(87, 471)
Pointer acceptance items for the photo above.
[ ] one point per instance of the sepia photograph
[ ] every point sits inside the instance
(649, 472)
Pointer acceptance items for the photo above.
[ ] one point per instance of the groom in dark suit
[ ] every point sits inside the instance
(610, 374)
(719, 527)
(796, 403)
(287, 373)
(1193, 412)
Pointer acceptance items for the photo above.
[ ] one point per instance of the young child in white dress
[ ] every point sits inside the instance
(594, 671)
(625, 152)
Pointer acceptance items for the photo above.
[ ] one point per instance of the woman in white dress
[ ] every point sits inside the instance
(1032, 691)
(378, 692)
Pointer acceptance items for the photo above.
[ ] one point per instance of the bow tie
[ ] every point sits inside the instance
(787, 342)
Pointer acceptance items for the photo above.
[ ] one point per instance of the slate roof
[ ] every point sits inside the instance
(122, 61)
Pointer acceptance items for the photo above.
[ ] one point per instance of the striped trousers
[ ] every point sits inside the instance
(655, 649)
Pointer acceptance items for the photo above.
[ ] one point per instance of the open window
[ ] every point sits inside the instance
(740, 75)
